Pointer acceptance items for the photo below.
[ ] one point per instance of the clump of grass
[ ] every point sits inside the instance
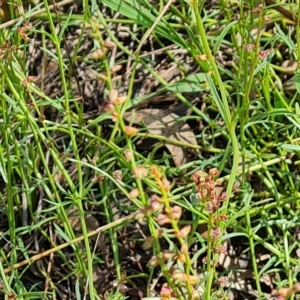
(53, 167)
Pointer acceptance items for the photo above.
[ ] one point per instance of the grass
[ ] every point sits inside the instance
(57, 160)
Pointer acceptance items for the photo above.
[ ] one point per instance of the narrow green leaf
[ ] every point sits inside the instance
(221, 36)
(290, 147)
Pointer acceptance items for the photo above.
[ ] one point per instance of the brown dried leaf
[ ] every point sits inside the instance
(158, 123)
(290, 66)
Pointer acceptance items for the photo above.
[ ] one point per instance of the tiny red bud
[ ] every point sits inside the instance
(163, 219)
(176, 212)
(214, 172)
(109, 107)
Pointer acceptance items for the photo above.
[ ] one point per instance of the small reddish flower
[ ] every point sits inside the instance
(249, 47)
(155, 172)
(223, 281)
(176, 212)
(166, 292)
(221, 249)
(223, 217)
(179, 276)
(216, 233)
(214, 172)
(109, 107)
(163, 219)
(210, 207)
(263, 54)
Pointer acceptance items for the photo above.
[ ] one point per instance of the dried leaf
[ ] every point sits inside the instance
(158, 123)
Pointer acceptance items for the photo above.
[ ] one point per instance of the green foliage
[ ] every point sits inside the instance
(92, 165)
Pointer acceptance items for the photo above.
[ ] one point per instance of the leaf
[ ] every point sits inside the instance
(290, 148)
(287, 39)
(217, 100)
(158, 123)
(221, 36)
(136, 12)
(190, 84)
(297, 81)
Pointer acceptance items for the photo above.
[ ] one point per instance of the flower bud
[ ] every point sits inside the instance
(176, 212)
(184, 232)
(166, 185)
(163, 219)
(109, 44)
(167, 254)
(131, 131)
(118, 175)
(97, 54)
(113, 95)
(156, 206)
(213, 172)
(153, 262)
(166, 292)
(134, 194)
(140, 172)
(147, 243)
(109, 107)
(192, 280)
(116, 68)
(120, 100)
(181, 257)
(128, 155)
